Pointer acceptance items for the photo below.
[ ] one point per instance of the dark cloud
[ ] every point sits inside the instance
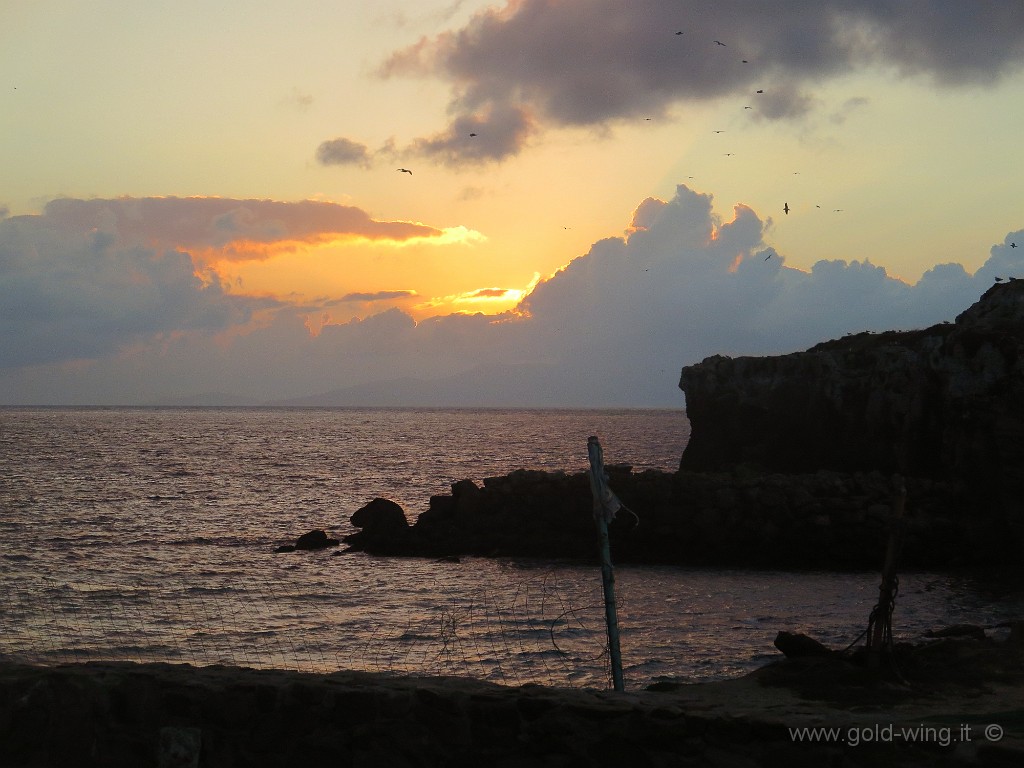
(611, 328)
(376, 296)
(495, 134)
(591, 62)
(781, 102)
(342, 151)
(237, 227)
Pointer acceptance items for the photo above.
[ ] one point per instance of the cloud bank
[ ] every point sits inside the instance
(532, 64)
(89, 319)
(239, 229)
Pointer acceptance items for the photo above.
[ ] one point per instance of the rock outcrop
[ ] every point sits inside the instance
(944, 402)
(747, 519)
(313, 540)
(790, 464)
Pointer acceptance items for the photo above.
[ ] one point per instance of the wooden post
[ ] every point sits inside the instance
(605, 507)
(880, 626)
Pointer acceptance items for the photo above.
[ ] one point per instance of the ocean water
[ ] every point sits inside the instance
(148, 534)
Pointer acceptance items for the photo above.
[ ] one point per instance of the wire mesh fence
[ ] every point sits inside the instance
(539, 630)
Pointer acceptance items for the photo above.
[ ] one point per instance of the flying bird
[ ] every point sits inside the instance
(1013, 245)
(768, 256)
(718, 131)
(748, 107)
(719, 42)
(760, 91)
(785, 208)
(472, 134)
(404, 170)
(679, 33)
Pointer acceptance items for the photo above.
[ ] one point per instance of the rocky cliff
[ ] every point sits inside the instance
(790, 464)
(943, 402)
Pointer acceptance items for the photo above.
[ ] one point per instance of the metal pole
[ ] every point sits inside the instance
(605, 507)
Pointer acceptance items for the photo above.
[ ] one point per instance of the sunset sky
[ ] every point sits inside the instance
(202, 200)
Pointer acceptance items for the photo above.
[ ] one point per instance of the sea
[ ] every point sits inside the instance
(148, 534)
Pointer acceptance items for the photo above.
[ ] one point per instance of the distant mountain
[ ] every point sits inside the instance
(495, 385)
(208, 399)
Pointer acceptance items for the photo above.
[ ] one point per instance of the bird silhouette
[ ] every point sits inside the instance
(1013, 245)
(718, 131)
(785, 208)
(719, 42)
(404, 170)
(999, 279)
(748, 107)
(760, 91)
(472, 134)
(679, 33)
(768, 256)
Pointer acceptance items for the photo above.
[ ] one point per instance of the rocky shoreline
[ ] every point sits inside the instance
(955, 702)
(793, 462)
(819, 520)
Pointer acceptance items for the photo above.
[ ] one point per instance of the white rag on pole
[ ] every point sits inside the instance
(606, 503)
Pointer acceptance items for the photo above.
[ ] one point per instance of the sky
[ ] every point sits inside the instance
(526, 203)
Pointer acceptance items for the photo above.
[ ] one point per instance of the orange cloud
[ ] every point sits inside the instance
(226, 228)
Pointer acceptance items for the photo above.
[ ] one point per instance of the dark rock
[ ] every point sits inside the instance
(791, 463)
(285, 548)
(380, 515)
(945, 403)
(796, 645)
(317, 539)
(958, 630)
(946, 399)
(384, 529)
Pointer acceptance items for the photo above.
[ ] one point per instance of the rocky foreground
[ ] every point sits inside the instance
(955, 702)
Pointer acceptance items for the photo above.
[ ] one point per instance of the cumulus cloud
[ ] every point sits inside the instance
(592, 62)
(69, 295)
(236, 228)
(613, 327)
(342, 151)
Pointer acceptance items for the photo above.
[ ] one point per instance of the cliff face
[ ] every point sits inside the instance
(788, 464)
(944, 402)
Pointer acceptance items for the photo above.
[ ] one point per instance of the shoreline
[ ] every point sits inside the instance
(122, 713)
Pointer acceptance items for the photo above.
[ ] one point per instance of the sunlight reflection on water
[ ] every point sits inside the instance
(147, 534)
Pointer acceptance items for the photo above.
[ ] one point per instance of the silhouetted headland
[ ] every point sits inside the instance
(790, 463)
